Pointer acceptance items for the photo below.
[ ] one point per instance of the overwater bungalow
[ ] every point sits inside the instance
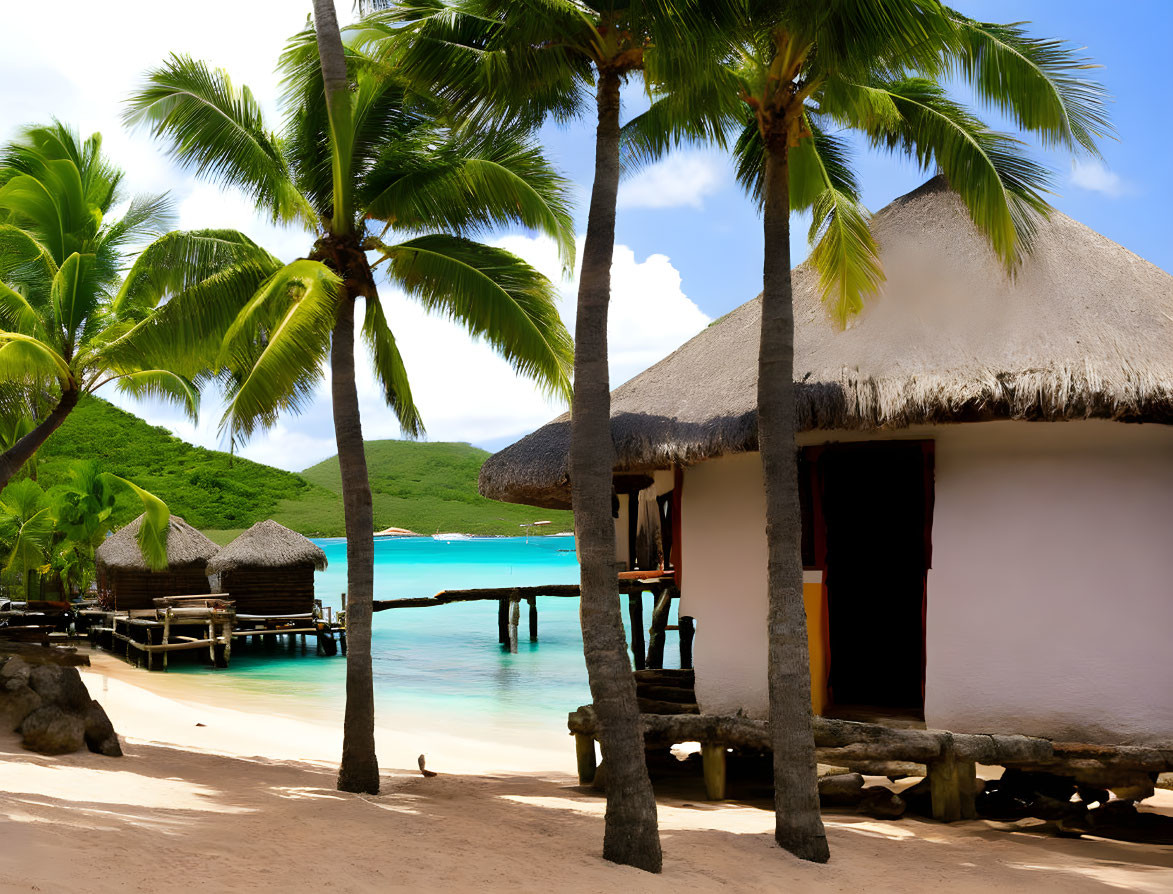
(125, 583)
(269, 570)
(986, 468)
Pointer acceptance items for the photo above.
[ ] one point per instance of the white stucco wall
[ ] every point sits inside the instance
(723, 541)
(1050, 601)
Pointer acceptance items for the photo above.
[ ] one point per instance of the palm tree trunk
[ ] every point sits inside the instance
(22, 451)
(798, 826)
(631, 836)
(359, 771)
(337, 86)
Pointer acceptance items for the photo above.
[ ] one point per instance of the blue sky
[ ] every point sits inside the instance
(688, 243)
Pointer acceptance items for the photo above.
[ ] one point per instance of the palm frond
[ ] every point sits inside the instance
(276, 348)
(152, 533)
(74, 297)
(992, 173)
(495, 295)
(179, 260)
(844, 254)
(29, 361)
(470, 184)
(163, 384)
(389, 369)
(1038, 82)
(147, 217)
(26, 264)
(215, 129)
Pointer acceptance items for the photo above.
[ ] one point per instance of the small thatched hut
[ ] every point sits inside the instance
(124, 581)
(269, 570)
(986, 472)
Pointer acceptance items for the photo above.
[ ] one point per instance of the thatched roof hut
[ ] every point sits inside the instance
(126, 583)
(1082, 331)
(269, 570)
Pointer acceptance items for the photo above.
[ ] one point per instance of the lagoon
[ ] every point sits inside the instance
(437, 666)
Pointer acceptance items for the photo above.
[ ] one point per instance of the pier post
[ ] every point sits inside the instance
(503, 621)
(952, 783)
(514, 620)
(687, 632)
(659, 628)
(533, 618)
(635, 621)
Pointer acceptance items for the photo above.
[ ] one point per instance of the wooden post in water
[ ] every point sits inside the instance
(514, 620)
(503, 621)
(687, 632)
(533, 618)
(635, 621)
(659, 627)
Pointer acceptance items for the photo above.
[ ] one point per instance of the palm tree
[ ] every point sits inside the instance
(875, 67)
(67, 318)
(520, 62)
(356, 159)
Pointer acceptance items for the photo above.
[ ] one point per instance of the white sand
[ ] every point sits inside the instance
(247, 803)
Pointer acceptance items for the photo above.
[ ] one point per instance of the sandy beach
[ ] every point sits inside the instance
(246, 801)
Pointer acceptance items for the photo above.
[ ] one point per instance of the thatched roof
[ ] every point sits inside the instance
(185, 546)
(268, 545)
(1084, 330)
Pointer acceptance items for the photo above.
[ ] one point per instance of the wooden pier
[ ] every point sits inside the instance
(205, 622)
(647, 653)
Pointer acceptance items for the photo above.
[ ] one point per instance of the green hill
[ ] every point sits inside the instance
(432, 486)
(422, 486)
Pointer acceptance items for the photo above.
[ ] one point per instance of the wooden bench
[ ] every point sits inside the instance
(950, 758)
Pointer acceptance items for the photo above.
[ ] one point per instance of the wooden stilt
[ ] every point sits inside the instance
(713, 763)
(503, 621)
(584, 749)
(533, 618)
(166, 634)
(952, 785)
(687, 632)
(659, 627)
(514, 621)
(635, 621)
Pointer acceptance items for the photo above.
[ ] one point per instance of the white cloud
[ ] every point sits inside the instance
(681, 179)
(1095, 177)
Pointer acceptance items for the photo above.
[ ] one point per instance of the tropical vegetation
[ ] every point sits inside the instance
(360, 157)
(69, 319)
(48, 535)
(426, 486)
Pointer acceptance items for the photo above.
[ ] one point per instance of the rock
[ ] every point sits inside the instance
(50, 730)
(100, 737)
(842, 790)
(60, 686)
(1142, 788)
(14, 673)
(16, 704)
(881, 802)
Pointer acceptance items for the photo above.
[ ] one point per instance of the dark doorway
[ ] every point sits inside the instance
(877, 511)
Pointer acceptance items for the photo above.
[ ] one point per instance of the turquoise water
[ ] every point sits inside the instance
(440, 661)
